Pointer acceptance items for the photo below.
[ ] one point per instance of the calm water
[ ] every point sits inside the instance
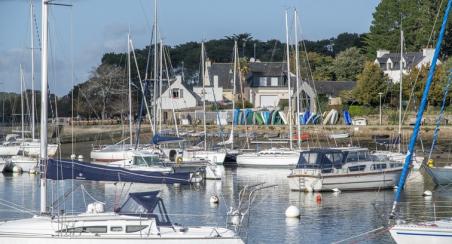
(336, 217)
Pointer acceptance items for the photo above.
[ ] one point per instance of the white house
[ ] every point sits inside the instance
(177, 96)
(390, 62)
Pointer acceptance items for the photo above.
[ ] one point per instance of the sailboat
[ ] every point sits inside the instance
(437, 231)
(141, 219)
(276, 157)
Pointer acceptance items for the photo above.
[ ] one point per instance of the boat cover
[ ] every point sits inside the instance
(67, 169)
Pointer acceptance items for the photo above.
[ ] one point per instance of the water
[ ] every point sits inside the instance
(334, 218)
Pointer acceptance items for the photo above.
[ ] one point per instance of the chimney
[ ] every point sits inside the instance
(381, 52)
(428, 52)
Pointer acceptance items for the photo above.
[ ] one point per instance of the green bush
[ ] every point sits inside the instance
(356, 110)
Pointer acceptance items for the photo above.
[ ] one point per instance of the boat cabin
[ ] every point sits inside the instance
(350, 159)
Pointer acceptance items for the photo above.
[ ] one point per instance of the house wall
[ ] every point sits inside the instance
(187, 100)
(256, 93)
(210, 92)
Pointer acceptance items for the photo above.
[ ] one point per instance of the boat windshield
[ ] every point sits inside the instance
(355, 156)
(146, 204)
(146, 160)
(321, 159)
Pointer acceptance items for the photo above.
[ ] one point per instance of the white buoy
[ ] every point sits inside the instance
(214, 199)
(235, 220)
(336, 190)
(73, 156)
(80, 157)
(17, 169)
(395, 188)
(292, 212)
(427, 193)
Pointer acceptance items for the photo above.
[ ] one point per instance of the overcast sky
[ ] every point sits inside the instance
(93, 27)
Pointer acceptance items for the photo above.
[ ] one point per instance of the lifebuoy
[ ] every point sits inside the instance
(179, 160)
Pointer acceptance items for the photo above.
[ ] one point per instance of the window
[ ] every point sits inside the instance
(378, 166)
(146, 160)
(262, 81)
(116, 228)
(175, 93)
(274, 81)
(135, 228)
(87, 229)
(356, 168)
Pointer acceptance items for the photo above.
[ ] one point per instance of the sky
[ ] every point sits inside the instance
(81, 34)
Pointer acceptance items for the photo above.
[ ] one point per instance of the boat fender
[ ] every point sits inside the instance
(179, 160)
(430, 163)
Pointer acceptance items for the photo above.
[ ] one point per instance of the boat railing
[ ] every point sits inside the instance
(417, 211)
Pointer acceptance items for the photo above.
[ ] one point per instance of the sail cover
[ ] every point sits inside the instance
(67, 169)
(159, 139)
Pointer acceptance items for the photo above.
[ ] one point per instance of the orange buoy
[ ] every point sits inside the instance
(318, 198)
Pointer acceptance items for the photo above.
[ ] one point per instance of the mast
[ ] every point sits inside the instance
(130, 89)
(400, 92)
(155, 63)
(288, 84)
(44, 82)
(160, 85)
(297, 68)
(420, 112)
(32, 37)
(233, 92)
(203, 94)
(22, 119)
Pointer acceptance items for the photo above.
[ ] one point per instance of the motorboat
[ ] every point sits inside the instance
(142, 218)
(326, 169)
(273, 157)
(399, 157)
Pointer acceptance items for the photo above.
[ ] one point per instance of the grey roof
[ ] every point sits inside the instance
(333, 88)
(411, 59)
(225, 75)
(268, 68)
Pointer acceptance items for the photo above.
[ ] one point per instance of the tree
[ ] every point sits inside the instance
(414, 17)
(103, 94)
(370, 82)
(348, 64)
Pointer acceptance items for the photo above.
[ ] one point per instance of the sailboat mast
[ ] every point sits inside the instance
(160, 85)
(32, 37)
(233, 92)
(203, 94)
(297, 68)
(155, 64)
(288, 84)
(44, 82)
(130, 90)
(22, 119)
(400, 91)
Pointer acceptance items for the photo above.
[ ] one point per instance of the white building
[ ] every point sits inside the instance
(390, 62)
(178, 97)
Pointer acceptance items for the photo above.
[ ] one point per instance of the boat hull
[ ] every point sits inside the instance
(413, 234)
(441, 176)
(304, 180)
(62, 170)
(273, 161)
(11, 239)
